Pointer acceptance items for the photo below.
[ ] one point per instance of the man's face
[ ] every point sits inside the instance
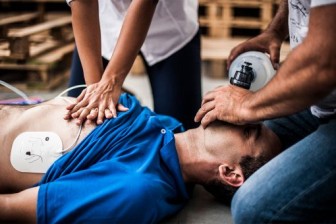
(232, 141)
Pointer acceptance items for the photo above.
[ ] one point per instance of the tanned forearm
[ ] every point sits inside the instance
(85, 22)
(307, 75)
(279, 23)
(132, 36)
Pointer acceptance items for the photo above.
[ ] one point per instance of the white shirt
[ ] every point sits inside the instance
(174, 24)
(298, 21)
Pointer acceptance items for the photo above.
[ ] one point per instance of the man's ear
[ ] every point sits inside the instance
(231, 174)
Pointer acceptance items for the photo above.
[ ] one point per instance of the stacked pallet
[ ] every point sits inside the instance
(219, 17)
(35, 54)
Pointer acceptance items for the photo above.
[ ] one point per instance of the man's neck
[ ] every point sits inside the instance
(190, 150)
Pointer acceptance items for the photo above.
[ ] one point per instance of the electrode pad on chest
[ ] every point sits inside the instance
(35, 152)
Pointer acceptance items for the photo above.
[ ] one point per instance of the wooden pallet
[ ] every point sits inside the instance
(37, 55)
(40, 5)
(9, 21)
(219, 17)
(138, 67)
(46, 71)
(21, 44)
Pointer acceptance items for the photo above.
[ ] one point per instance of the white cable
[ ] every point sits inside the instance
(26, 99)
(74, 143)
(16, 90)
(71, 88)
(80, 127)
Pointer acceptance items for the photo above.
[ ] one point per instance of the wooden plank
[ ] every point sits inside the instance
(41, 63)
(215, 52)
(218, 17)
(20, 39)
(18, 18)
(22, 67)
(44, 72)
(40, 27)
(220, 48)
(4, 53)
(38, 1)
(43, 47)
(138, 67)
(56, 55)
(7, 22)
(4, 45)
(246, 22)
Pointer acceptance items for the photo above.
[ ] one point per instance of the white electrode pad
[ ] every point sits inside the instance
(35, 152)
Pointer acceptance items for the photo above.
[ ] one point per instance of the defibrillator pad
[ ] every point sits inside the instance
(35, 152)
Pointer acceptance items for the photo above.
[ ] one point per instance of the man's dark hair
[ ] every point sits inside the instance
(224, 192)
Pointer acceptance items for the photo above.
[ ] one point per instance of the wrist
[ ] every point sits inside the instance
(275, 34)
(113, 79)
(250, 112)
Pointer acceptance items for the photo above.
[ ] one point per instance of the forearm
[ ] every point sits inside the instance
(132, 36)
(307, 75)
(279, 24)
(19, 207)
(85, 22)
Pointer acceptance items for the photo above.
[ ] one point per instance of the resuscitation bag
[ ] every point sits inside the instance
(251, 70)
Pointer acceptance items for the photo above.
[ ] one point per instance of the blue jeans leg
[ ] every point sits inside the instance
(299, 185)
(291, 129)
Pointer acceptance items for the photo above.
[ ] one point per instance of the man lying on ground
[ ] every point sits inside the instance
(137, 168)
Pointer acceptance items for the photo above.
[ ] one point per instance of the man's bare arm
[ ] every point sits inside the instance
(19, 207)
(85, 22)
(307, 75)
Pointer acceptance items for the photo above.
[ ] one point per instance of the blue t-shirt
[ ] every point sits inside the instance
(125, 171)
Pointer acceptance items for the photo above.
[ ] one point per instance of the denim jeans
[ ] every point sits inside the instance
(299, 185)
